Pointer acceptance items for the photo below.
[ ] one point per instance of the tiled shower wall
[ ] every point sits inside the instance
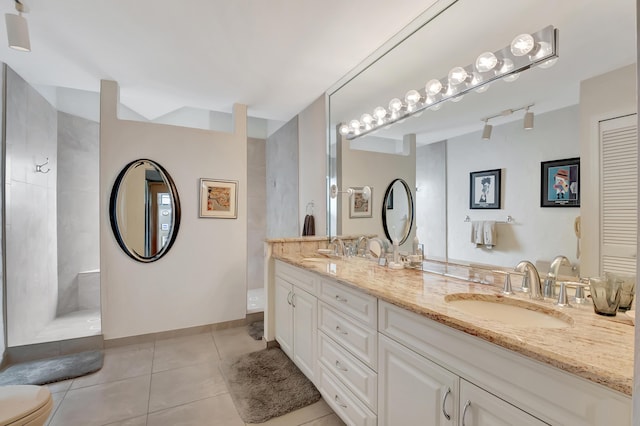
(78, 206)
(31, 229)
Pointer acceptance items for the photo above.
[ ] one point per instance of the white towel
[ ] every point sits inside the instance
(489, 230)
(477, 231)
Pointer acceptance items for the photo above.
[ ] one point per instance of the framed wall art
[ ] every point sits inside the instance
(484, 189)
(218, 198)
(358, 205)
(560, 183)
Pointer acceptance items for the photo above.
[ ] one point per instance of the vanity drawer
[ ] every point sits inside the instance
(352, 335)
(357, 304)
(360, 379)
(298, 277)
(343, 402)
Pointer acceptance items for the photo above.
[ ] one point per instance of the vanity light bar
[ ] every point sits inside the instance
(524, 52)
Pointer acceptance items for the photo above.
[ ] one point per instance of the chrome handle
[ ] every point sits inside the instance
(339, 330)
(339, 366)
(343, 405)
(340, 299)
(444, 400)
(293, 300)
(289, 298)
(464, 410)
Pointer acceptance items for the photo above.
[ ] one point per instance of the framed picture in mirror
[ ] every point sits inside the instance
(560, 183)
(218, 198)
(359, 207)
(484, 189)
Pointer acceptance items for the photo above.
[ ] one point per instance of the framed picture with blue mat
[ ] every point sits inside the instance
(560, 183)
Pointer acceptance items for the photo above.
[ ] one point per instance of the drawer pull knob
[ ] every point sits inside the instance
(444, 401)
(341, 331)
(341, 404)
(340, 299)
(339, 366)
(464, 410)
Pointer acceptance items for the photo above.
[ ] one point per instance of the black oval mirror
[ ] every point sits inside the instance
(397, 211)
(144, 210)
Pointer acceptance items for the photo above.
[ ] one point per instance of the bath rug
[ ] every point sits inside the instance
(51, 370)
(267, 384)
(256, 330)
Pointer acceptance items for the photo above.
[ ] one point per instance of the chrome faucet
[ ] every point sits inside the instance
(530, 279)
(552, 275)
(338, 244)
(359, 241)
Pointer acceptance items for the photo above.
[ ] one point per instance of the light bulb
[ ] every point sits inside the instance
(451, 91)
(512, 77)
(522, 44)
(412, 97)
(395, 105)
(486, 62)
(548, 64)
(344, 129)
(354, 124)
(457, 75)
(433, 87)
(367, 120)
(379, 113)
(429, 100)
(475, 80)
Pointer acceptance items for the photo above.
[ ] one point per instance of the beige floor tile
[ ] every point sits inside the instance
(330, 420)
(215, 411)
(104, 403)
(118, 365)
(304, 415)
(184, 351)
(137, 421)
(57, 399)
(233, 342)
(59, 386)
(182, 385)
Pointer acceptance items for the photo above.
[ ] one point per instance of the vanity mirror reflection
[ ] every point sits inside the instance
(144, 210)
(593, 81)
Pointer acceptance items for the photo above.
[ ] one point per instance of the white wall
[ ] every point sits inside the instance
(606, 96)
(538, 233)
(312, 169)
(431, 199)
(381, 169)
(256, 217)
(202, 279)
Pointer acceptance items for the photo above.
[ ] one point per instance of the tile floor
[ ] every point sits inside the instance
(168, 382)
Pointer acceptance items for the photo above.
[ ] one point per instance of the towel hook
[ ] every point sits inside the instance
(40, 166)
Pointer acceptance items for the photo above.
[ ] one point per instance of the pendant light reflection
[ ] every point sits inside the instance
(526, 51)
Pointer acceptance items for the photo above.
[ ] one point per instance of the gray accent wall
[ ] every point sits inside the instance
(31, 228)
(78, 205)
(256, 211)
(282, 181)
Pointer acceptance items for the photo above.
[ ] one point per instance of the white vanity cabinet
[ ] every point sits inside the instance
(296, 316)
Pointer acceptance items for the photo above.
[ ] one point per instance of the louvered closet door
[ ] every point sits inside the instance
(619, 194)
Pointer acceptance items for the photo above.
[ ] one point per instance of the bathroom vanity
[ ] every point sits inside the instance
(388, 347)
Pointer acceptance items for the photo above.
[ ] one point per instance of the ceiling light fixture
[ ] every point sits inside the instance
(17, 29)
(528, 120)
(524, 52)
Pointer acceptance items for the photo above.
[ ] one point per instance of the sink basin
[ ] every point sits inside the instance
(508, 311)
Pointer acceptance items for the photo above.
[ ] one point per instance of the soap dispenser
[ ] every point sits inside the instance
(416, 243)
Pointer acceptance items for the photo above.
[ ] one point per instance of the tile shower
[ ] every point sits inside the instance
(52, 220)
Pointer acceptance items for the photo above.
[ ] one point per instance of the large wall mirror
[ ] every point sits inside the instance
(435, 152)
(144, 210)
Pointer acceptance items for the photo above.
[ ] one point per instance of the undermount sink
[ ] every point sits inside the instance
(508, 311)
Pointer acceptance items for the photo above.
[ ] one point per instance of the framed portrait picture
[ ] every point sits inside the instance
(560, 183)
(484, 189)
(358, 206)
(218, 198)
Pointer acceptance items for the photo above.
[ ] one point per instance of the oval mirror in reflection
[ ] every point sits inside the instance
(144, 210)
(397, 211)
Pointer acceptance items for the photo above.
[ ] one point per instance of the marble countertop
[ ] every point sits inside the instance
(597, 348)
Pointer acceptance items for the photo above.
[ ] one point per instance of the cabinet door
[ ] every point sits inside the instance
(305, 331)
(481, 408)
(283, 314)
(413, 390)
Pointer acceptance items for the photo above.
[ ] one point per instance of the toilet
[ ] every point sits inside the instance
(24, 405)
